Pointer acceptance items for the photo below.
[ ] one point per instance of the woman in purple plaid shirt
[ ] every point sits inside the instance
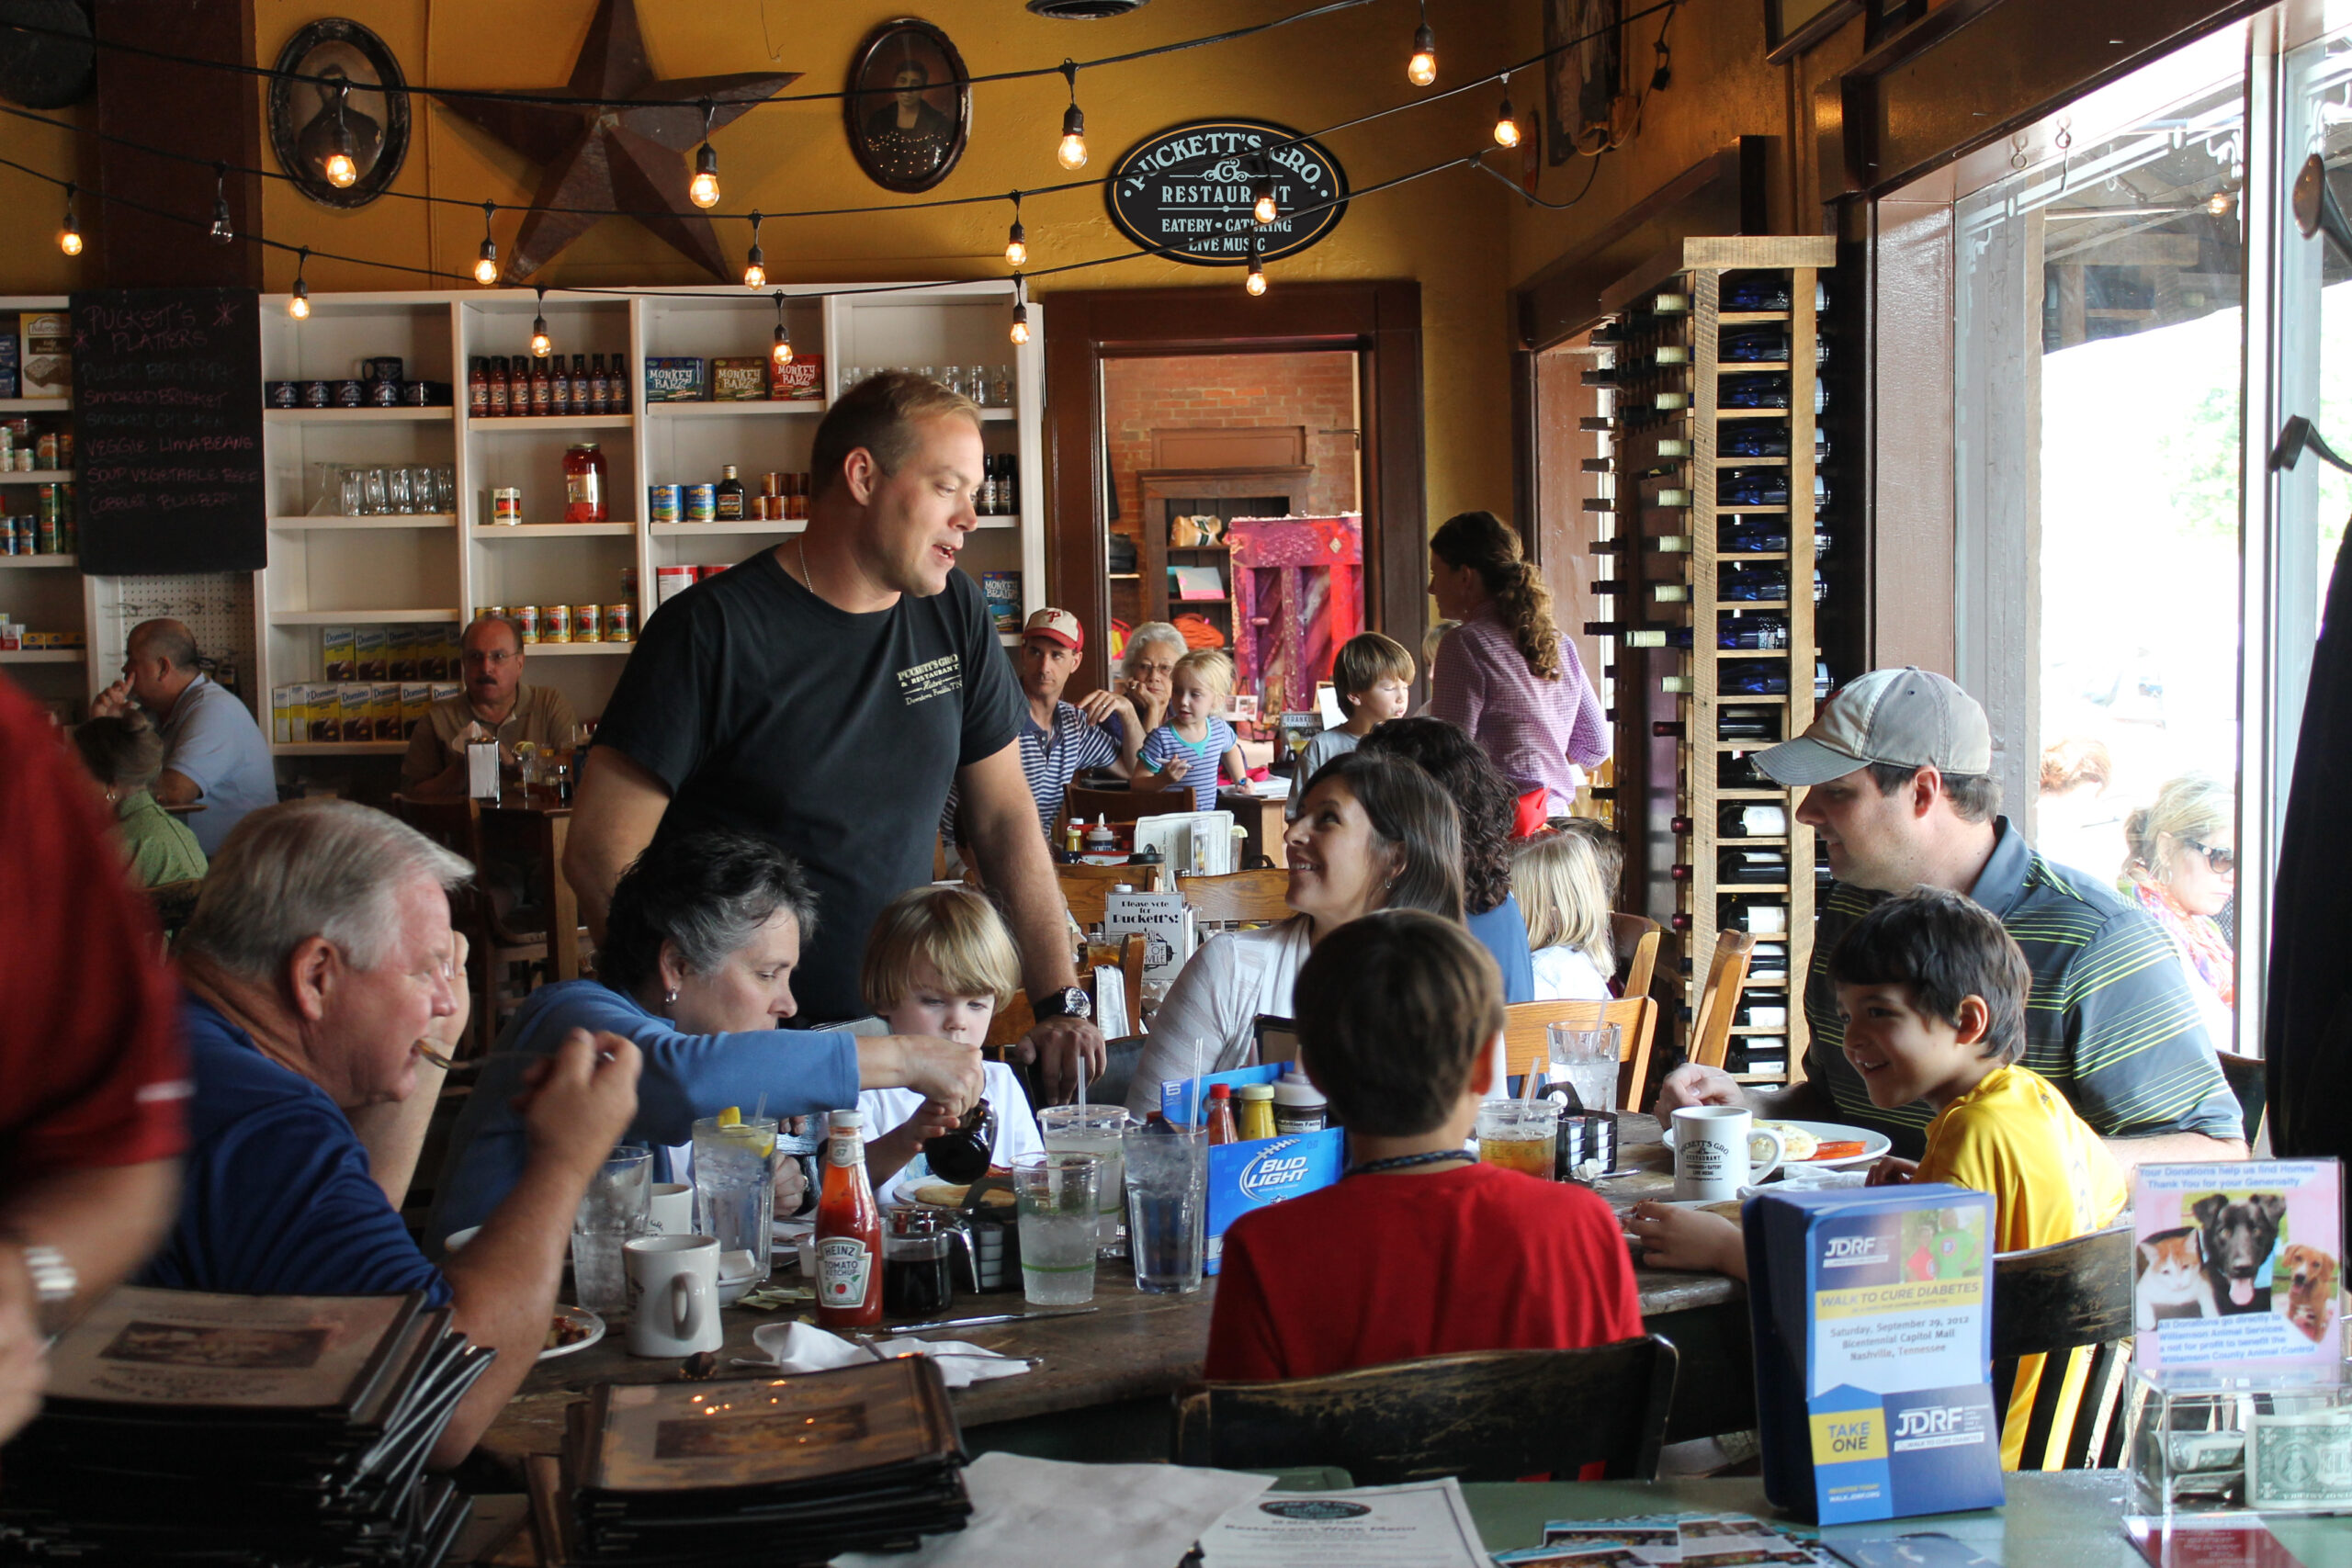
(1507, 674)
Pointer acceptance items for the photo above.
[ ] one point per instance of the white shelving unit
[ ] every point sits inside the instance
(333, 570)
(44, 593)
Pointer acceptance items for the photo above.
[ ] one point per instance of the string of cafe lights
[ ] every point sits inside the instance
(1420, 70)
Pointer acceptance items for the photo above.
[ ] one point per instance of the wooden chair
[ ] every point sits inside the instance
(1527, 1037)
(2051, 1301)
(2248, 1080)
(1634, 939)
(1719, 1000)
(1254, 896)
(1126, 955)
(1015, 1019)
(503, 965)
(1085, 888)
(1482, 1415)
(1121, 804)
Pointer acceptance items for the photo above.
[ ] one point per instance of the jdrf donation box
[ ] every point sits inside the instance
(1872, 1313)
(1257, 1171)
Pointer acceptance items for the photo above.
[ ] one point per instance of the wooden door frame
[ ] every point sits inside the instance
(1380, 322)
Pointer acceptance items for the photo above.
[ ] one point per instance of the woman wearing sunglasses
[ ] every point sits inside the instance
(2183, 870)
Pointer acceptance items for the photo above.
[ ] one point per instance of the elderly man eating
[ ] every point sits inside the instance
(317, 963)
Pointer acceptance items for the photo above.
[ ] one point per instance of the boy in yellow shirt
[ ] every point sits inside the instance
(1933, 994)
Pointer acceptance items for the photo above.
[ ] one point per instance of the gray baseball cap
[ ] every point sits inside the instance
(1909, 718)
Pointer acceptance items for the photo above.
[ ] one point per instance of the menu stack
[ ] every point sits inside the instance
(264, 1429)
(772, 1472)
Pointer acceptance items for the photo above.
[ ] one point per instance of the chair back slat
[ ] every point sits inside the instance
(1634, 939)
(1483, 1416)
(2054, 1302)
(1262, 896)
(1121, 804)
(1719, 1000)
(1527, 1037)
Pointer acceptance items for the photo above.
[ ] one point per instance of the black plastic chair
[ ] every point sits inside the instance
(1481, 1415)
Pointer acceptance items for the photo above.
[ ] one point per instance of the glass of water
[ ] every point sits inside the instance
(611, 1212)
(735, 1192)
(1584, 1058)
(1168, 1173)
(1093, 1130)
(1056, 1194)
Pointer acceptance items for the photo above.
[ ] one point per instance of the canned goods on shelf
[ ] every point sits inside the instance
(702, 503)
(668, 581)
(662, 503)
(628, 583)
(620, 623)
(555, 623)
(587, 622)
(506, 506)
(526, 619)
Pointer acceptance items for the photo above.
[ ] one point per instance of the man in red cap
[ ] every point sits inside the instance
(1061, 740)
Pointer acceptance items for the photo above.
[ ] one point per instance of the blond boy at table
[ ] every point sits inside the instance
(1933, 993)
(1418, 1249)
(940, 961)
(1372, 679)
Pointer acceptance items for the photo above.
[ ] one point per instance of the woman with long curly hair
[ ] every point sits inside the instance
(1507, 674)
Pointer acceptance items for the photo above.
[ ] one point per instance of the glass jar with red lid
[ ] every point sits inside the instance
(583, 483)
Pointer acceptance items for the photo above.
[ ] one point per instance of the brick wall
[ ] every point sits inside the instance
(1222, 390)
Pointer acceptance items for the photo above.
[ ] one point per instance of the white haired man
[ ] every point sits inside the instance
(318, 959)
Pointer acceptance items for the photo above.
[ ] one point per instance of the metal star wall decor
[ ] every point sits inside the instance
(633, 158)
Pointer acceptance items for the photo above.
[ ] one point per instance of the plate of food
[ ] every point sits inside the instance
(572, 1328)
(1830, 1142)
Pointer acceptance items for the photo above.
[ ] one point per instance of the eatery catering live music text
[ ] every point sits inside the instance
(167, 412)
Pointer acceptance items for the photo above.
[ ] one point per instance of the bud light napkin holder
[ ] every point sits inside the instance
(1257, 1171)
(1872, 1316)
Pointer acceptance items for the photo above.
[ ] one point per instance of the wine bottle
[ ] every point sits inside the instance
(1670, 353)
(1672, 496)
(1753, 345)
(1605, 375)
(1598, 422)
(1671, 304)
(1656, 637)
(1599, 464)
(1603, 585)
(1600, 504)
(1680, 826)
(1673, 446)
(1672, 544)
(1669, 729)
(1669, 593)
(1675, 685)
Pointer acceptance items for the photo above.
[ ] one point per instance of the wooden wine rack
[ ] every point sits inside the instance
(1668, 462)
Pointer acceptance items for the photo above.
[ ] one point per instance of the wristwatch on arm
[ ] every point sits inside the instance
(1070, 1001)
(54, 1283)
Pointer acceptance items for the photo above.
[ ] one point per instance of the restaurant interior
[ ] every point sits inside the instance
(1766, 481)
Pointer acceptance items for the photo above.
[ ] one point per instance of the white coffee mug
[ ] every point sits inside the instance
(673, 1296)
(1718, 1149)
(670, 1209)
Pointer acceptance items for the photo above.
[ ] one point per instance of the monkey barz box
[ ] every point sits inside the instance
(1873, 1315)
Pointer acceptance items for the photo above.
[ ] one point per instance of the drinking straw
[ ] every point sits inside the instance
(1200, 1119)
(1081, 1080)
(760, 1106)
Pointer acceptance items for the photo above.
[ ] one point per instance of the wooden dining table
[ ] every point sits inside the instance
(1102, 1385)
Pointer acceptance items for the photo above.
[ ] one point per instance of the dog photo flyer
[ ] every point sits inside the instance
(2238, 1269)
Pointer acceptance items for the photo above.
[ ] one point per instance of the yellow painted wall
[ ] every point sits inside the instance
(1450, 233)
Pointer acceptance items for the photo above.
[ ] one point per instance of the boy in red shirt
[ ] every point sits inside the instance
(1419, 1249)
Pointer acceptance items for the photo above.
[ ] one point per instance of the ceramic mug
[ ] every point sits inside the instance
(1718, 1149)
(673, 1293)
(670, 1209)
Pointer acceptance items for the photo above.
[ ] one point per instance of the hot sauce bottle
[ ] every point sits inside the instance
(849, 1232)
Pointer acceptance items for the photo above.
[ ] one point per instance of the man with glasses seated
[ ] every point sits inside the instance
(1897, 773)
(495, 703)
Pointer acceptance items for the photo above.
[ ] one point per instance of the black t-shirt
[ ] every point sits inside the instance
(835, 736)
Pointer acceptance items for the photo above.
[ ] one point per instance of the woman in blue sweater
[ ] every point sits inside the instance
(697, 968)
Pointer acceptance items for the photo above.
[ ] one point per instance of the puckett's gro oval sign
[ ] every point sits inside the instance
(1187, 192)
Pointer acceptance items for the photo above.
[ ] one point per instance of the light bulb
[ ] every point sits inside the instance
(341, 171)
(69, 239)
(1264, 210)
(298, 305)
(486, 269)
(2218, 204)
(1021, 324)
(1421, 70)
(1256, 283)
(1072, 152)
(781, 351)
(223, 231)
(703, 190)
(1505, 125)
(1016, 246)
(756, 272)
(541, 345)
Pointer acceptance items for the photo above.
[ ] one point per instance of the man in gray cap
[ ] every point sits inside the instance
(1897, 773)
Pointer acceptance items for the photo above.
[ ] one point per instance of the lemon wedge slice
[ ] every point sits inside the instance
(731, 1117)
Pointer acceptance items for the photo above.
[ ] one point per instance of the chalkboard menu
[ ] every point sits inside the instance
(167, 416)
(1187, 192)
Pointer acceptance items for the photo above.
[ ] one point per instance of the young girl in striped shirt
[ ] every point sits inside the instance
(1195, 747)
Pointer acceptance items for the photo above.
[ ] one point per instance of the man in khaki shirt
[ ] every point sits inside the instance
(496, 700)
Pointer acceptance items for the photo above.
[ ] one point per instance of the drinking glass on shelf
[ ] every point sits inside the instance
(398, 491)
(1001, 387)
(445, 490)
(352, 490)
(420, 487)
(929, 372)
(373, 501)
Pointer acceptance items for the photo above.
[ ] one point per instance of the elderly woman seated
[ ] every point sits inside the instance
(1373, 832)
(697, 968)
(124, 754)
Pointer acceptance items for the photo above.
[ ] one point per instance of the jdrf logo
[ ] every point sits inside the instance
(1927, 1421)
(1263, 1178)
(1852, 1246)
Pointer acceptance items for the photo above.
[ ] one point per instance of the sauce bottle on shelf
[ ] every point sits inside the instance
(582, 388)
(478, 387)
(600, 387)
(1222, 1129)
(558, 387)
(620, 384)
(849, 1232)
(542, 388)
(728, 495)
(583, 483)
(500, 390)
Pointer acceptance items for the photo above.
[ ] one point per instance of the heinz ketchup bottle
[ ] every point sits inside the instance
(849, 1232)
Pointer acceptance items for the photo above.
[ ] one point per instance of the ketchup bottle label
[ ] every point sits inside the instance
(844, 1265)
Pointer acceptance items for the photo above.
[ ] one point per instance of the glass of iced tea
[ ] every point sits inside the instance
(1520, 1134)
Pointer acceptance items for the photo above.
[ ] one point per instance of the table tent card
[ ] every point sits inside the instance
(1872, 1317)
(2238, 1269)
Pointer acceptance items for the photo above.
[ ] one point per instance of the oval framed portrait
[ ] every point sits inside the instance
(373, 110)
(908, 107)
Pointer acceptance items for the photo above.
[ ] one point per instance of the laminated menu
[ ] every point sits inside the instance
(1872, 1317)
(2238, 1268)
